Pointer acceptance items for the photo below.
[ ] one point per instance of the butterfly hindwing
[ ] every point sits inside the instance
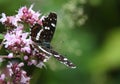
(35, 32)
(62, 59)
(57, 56)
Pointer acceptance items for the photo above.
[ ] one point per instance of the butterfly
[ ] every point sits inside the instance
(42, 36)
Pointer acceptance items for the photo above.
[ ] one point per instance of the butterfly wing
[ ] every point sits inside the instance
(43, 34)
(49, 25)
(57, 56)
(35, 33)
(62, 59)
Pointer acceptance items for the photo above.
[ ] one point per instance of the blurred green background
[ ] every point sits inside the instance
(88, 33)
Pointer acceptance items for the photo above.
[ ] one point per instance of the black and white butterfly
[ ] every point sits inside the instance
(42, 36)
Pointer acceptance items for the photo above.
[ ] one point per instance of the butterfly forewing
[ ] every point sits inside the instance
(44, 33)
(49, 25)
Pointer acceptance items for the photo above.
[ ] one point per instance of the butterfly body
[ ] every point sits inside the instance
(42, 36)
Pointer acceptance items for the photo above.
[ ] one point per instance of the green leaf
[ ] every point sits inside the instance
(1, 36)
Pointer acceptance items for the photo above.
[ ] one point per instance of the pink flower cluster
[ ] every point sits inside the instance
(9, 20)
(2, 79)
(19, 75)
(14, 74)
(24, 15)
(36, 57)
(17, 40)
(19, 43)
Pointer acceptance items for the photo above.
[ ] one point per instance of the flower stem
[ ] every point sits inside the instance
(1, 45)
(6, 57)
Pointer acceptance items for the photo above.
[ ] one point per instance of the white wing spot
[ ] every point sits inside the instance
(53, 24)
(50, 19)
(47, 28)
(56, 55)
(65, 63)
(65, 59)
